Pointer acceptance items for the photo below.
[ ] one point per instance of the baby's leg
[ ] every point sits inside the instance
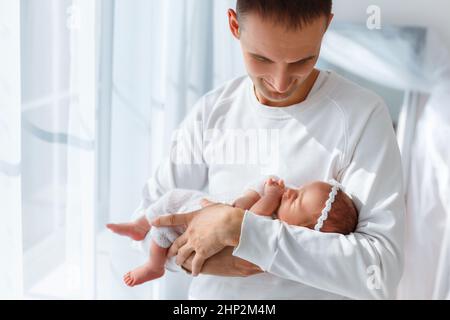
(153, 269)
(136, 230)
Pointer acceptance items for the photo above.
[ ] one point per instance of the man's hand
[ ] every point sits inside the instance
(225, 264)
(209, 230)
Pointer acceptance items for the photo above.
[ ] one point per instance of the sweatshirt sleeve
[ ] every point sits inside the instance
(366, 264)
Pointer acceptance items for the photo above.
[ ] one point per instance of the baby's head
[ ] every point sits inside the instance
(303, 207)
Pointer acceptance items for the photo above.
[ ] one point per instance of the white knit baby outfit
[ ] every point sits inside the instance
(172, 202)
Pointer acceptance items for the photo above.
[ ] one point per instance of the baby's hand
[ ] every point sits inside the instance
(274, 188)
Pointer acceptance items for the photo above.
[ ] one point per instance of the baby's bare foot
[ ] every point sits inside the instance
(131, 230)
(142, 274)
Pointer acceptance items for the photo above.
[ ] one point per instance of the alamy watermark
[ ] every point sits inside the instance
(73, 21)
(259, 147)
(374, 19)
(373, 281)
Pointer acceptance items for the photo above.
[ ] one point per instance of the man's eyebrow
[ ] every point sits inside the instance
(260, 57)
(268, 60)
(305, 59)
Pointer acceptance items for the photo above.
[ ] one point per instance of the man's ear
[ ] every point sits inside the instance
(330, 18)
(234, 23)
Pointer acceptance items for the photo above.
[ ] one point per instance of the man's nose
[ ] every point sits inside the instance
(282, 81)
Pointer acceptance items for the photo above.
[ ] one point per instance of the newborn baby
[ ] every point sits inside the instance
(306, 207)
(320, 206)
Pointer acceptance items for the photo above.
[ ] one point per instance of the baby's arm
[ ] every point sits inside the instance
(270, 201)
(247, 200)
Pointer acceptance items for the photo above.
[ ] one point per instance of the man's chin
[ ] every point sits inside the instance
(276, 98)
(280, 97)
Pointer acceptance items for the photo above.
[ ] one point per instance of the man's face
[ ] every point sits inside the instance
(279, 61)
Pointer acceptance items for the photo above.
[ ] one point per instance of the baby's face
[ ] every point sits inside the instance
(302, 207)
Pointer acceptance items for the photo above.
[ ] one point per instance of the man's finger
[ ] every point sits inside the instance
(173, 219)
(197, 264)
(176, 245)
(187, 265)
(185, 269)
(183, 254)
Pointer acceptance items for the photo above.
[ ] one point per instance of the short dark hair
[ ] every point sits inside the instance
(293, 14)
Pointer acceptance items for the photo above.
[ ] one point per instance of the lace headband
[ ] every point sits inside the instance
(331, 197)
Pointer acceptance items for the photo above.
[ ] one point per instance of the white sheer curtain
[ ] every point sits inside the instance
(81, 206)
(90, 92)
(166, 55)
(413, 60)
(11, 261)
(52, 185)
(58, 94)
(428, 231)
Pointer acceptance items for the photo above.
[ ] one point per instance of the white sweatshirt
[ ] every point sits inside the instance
(341, 131)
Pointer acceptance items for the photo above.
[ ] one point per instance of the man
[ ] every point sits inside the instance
(327, 127)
